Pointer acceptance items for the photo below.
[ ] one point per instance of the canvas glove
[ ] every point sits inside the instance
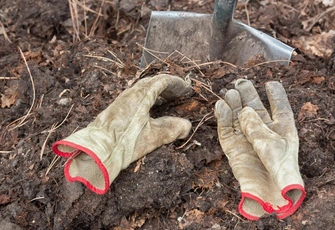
(123, 133)
(262, 150)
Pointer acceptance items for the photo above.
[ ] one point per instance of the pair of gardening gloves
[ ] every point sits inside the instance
(262, 151)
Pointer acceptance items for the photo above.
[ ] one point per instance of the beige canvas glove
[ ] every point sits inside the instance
(262, 150)
(123, 133)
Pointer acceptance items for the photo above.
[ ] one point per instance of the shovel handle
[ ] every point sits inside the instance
(223, 13)
(222, 17)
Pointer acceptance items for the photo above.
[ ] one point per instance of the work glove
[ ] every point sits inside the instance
(123, 133)
(262, 150)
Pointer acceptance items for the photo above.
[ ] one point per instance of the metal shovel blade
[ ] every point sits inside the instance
(209, 37)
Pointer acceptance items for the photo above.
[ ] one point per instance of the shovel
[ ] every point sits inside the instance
(210, 37)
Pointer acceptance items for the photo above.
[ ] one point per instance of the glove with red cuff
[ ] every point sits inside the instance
(123, 133)
(262, 150)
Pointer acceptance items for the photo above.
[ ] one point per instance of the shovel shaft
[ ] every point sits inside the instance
(223, 13)
(222, 18)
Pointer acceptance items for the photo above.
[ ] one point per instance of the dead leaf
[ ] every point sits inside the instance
(307, 78)
(188, 107)
(133, 223)
(138, 164)
(308, 110)
(34, 55)
(31, 166)
(190, 217)
(176, 69)
(321, 45)
(326, 2)
(4, 199)
(218, 73)
(206, 179)
(197, 87)
(318, 80)
(9, 98)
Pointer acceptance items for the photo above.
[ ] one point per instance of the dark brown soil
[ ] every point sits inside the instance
(175, 188)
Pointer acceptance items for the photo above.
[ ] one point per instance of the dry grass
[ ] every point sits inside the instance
(118, 63)
(73, 5)
(4, 32)
(23, 119)
(205, 118)
(96, 21)
(9, 78)
(309, 24)
(53, 129)
(3, 29)
(79, 11)
(5, 152)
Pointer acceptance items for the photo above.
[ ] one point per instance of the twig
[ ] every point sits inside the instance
(139, 73)
(83, 5)
(316, 18)
(203, 97)
(5, 152)
(75, 21)
(151, 52)
(52, 164)
(117, 19)
(267, 62)
(85, 20)
(102, 68)
(206, 87)
(5, 33)
(232, 65)
(46, 139)
(36, 198)
(9, 78)
(34, 93)
(235, 215)
(52, 129)
(16, 120)
(94, 26)
(201, 122)
(192, 61)
(214, 62)
(106, 59)
(247, 12)
(288, 6)
(113, 54)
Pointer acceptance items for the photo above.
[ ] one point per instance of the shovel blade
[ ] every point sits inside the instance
(188, 33)
(194, 35)
(243, 43)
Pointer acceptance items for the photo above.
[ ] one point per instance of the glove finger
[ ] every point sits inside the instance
(233, 99)
(160, 131)
(280, 106)
(224, 116)
(250, 97)
(269, 146)
(144, 94)
(164, 85)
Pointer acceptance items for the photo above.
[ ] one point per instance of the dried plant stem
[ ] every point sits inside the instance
(73, 5)
(201, 122)
(5, 33)
(34, 92)
(9, 78)
(52, 129)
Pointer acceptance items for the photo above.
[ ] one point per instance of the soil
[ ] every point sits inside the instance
(78, 67)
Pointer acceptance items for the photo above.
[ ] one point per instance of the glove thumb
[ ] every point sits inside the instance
(160, 131)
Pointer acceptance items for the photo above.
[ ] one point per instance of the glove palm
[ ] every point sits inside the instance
(262, 151)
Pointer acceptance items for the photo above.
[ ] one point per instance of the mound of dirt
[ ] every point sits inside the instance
(80, 55)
